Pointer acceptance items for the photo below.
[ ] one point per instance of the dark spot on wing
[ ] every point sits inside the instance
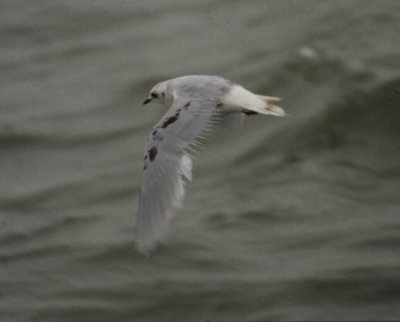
(152, 153)
(169, 121)
(145, 167)
(175, 117)
(248, 113)
(219, 104)
(154, 132)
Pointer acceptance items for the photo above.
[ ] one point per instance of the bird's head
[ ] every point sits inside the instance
(158, 93)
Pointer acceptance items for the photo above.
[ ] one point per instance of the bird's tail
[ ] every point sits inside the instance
(270, 107)
(240, 99)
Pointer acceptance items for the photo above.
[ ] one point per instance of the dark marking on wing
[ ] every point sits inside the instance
(152, 153)
(173, 118)
(170, 120)
(220, 105)
(248, 113)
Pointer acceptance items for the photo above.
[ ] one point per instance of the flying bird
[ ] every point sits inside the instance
(195, 104)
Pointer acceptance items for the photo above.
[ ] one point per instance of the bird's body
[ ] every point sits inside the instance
(196, 103)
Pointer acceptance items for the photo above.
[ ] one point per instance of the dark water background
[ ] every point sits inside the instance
(287, 219)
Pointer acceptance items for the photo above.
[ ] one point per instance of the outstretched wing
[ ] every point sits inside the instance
(168, 165)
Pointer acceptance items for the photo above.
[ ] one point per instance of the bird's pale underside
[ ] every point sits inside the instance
(196, 104)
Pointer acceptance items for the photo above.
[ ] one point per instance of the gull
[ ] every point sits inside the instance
(196, 103)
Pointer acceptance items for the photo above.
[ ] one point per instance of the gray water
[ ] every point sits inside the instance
(286, 219)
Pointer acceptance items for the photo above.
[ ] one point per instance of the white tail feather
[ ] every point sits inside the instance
(271, 107)
(270, 98)
(240, 99)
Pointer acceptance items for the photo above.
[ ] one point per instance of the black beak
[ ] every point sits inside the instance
(147, 101)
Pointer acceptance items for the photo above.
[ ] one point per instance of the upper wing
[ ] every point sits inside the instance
(167, 164)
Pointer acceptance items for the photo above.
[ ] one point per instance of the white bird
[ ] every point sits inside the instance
(195, 104)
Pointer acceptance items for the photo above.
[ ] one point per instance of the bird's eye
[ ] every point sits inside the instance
(154, 95)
